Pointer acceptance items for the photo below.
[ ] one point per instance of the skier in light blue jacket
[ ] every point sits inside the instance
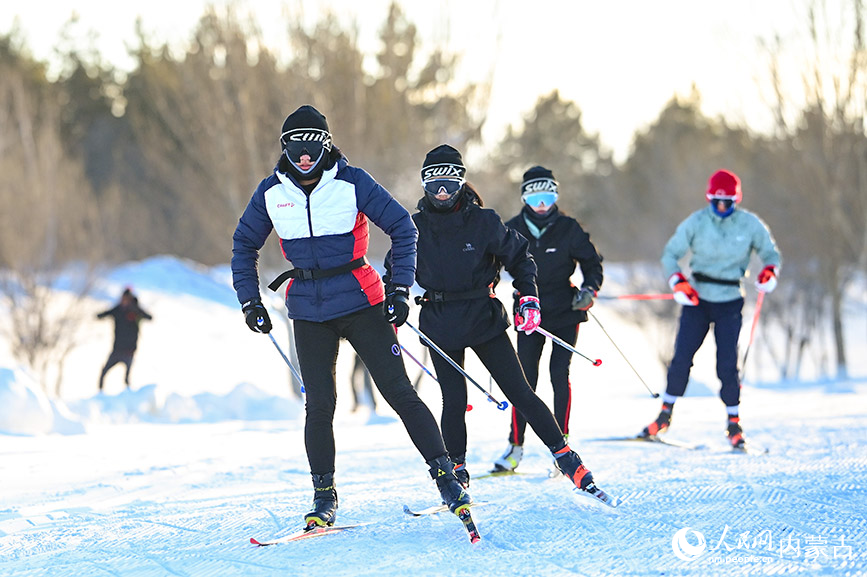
(721, 239)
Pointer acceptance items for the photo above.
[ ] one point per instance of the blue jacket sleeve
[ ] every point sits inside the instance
(252, 231)
(388, 214)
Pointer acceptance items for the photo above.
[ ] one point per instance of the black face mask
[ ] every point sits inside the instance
(540, 220)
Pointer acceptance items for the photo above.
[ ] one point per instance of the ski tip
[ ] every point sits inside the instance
(609, 500)
(599, 496)
(254, 542)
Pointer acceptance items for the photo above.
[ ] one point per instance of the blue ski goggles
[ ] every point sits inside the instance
(434, 187)
(539, 199)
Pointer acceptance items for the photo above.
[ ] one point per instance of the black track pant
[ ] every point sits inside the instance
(114, 358)
(500, 359)
(529, 352)
(376, 343)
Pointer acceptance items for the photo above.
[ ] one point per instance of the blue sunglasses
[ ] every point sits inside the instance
(537, 199)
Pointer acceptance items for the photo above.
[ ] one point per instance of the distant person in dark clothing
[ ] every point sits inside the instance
(127, 314)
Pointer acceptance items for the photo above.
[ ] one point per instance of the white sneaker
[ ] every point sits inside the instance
(510, 459)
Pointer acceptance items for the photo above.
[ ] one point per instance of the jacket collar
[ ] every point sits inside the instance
(327, 176)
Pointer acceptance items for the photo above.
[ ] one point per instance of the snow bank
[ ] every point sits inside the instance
(150, 404)
(25, 410)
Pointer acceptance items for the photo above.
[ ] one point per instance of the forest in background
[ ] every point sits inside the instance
(100, 166)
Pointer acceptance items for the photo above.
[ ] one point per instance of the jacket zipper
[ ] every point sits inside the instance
(313, 248)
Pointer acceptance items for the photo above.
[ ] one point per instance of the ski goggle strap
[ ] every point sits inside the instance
(538, 185)
(443, 171)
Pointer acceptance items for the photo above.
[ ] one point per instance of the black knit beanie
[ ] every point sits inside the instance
(444, 161)
(538, 179)
(305, 117)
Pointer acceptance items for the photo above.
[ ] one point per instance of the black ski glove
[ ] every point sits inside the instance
(583, 299)
(256, 316)
(396, 305)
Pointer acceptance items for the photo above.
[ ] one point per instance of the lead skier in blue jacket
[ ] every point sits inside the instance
(319, 207)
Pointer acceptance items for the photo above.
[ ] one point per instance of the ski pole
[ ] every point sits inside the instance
(759, 300)
(500, 405)
(426, 370)
(295, 372)
(649, 390)
(567, 346)
(638, 297)
(419, 363)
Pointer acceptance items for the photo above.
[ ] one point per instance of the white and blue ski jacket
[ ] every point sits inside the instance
(323, 230)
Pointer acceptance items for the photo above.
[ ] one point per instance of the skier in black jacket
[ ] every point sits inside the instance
(557, 243)
(126, 314)
(461, 249)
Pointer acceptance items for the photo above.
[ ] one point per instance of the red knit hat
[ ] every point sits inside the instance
(724, 184)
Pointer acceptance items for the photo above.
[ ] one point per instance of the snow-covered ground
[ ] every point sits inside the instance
(206, 451)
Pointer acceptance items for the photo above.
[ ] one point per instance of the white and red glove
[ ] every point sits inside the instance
(529, 315)
(767, 280)
(683, 291)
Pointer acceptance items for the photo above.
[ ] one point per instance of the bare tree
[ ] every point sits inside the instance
(46, 247)
(828, 168)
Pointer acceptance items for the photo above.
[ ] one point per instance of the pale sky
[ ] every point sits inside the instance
(619, 60)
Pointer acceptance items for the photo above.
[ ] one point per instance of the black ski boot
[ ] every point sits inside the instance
(442, 470)
(735, 433)
(461, 472)
(324, 511)
(662, 422)
(570, 465)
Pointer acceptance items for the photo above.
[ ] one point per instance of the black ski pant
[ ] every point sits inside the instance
(114, 358)
(695, 323)
(530, 352)
(500, 359)
(361, 383)
(375, 342)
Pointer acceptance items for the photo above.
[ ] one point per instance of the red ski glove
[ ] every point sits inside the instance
(767, 279)
(683, 291)
(529, 315)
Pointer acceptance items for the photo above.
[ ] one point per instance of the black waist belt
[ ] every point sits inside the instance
(704, 278)
(313, 274)
(441, 297)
